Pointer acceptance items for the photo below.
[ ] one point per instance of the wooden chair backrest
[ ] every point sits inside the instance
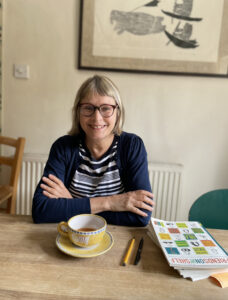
(14, 162)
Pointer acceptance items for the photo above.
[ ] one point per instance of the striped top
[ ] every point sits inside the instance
(96, 178)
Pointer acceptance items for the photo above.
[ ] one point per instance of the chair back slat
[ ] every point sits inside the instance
(8, 141)
(9, 161)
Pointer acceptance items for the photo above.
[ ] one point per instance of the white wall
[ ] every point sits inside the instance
(181, 119)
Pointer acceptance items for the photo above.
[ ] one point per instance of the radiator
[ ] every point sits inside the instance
(31, 172)
(166, 182)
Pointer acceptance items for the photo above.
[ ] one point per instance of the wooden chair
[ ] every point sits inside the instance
(9, 192)
(211, 209)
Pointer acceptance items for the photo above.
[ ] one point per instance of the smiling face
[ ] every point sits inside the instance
(97, 128)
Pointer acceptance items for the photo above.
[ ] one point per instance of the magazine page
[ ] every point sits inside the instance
(188, 245)
(198, 274)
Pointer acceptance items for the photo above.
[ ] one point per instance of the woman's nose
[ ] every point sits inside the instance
(97, 114)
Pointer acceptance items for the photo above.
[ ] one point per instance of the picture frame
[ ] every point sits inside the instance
(173, 37)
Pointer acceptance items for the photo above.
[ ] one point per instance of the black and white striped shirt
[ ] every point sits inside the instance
(96, 178)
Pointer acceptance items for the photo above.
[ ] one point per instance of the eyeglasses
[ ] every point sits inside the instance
(106, 110)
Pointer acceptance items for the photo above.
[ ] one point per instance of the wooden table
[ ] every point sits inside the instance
(32, 267)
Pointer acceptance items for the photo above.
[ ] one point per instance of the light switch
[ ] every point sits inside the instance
(21, 71)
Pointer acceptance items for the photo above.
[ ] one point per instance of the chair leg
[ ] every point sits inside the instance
(11, 205)
(8, 208)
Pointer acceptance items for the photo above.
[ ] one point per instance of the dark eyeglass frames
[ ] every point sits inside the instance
(106, 110)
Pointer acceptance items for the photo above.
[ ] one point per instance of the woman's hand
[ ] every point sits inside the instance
(132, 201)
(54, 187)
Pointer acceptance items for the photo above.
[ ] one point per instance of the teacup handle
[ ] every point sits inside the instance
(63, 228)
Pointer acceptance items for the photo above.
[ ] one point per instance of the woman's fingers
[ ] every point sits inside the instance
(48, 189)
(143, 205)
(138, 212)
(148, 201)
(51, 186)
(146, 193)
(55, 179)
(49, 182)
(145, 197)
(52, 181)
(139, 200)
(54, 187)
(49, 195)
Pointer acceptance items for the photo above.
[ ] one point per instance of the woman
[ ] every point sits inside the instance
(97, 168)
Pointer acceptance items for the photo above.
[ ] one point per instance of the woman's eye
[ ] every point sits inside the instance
(88, 108)
(105, 108)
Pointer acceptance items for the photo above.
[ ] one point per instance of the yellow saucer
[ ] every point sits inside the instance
(65, 245)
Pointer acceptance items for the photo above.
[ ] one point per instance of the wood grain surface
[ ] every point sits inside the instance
(32, 267)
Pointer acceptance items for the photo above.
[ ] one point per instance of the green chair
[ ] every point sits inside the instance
(211, 209)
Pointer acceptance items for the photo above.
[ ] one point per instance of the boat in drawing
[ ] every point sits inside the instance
(182, 36)
(182, 10)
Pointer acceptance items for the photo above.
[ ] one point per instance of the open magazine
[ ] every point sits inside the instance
(189, 248)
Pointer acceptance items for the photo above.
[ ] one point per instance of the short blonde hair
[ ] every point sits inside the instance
(102, 86)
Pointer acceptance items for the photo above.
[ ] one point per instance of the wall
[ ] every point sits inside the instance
(181, 119)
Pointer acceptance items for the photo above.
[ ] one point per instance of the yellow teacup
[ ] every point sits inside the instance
(84, 230)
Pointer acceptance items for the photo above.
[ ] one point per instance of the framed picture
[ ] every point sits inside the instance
(187, 37)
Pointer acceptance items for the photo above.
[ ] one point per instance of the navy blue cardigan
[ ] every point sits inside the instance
(64, 160)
